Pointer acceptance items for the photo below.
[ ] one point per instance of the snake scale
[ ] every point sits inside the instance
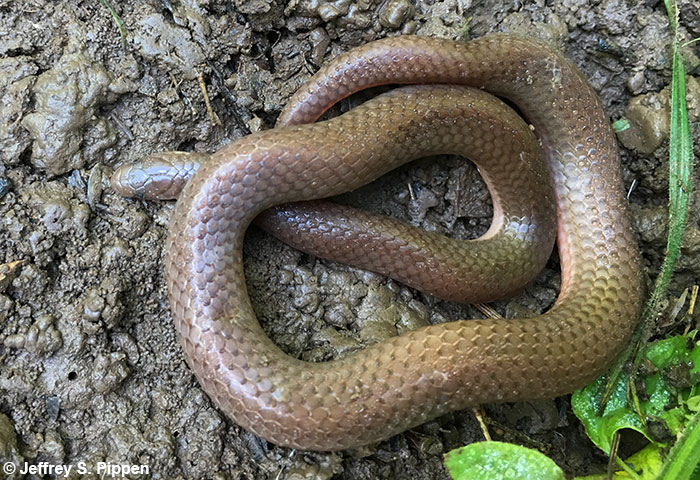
(389, 387)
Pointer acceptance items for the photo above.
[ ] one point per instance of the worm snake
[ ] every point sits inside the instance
(389, 387)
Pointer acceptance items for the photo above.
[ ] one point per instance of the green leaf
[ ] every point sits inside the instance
(646, 463)
(621, 124)
(684, 457)
(680, 168)
(617, 415)
(500, 461)
(664, 353)
(662, 401)
(693, 403)
(117, 20)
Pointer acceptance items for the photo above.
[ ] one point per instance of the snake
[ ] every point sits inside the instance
(450, 106)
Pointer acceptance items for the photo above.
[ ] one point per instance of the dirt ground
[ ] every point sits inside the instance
(90, 366)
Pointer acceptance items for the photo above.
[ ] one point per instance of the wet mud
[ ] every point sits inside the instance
(90, 367)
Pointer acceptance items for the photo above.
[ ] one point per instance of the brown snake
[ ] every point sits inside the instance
(389, 387)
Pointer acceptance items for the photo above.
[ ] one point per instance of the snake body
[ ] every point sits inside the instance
(389, 387)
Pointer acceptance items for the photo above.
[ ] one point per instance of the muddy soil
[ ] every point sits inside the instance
(90, 367)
